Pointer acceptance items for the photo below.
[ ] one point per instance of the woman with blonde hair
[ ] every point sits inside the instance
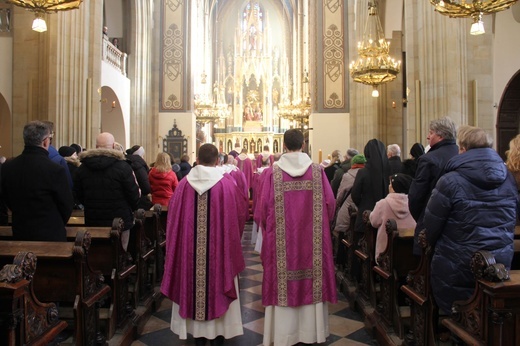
(513, 159)
(163, 179)
(334, 164)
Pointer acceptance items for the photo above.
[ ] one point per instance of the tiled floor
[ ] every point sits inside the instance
(345, 325)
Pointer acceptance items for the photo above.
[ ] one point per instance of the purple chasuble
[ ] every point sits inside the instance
(203, 249)
(297, 246)
(246, 166)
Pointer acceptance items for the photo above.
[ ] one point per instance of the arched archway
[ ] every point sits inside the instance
(6, 140)
(508, 122)
(112, 119)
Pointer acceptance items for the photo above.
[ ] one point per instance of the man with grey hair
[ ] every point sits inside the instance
(393, 152)
(33, 188)
(343, 168)
(106, 185)
(430, 167)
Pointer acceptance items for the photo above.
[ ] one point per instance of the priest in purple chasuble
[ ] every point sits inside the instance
(204, 253)
(245, 164)
(298, 280)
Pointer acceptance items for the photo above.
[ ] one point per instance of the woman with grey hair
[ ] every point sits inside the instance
(473, 207)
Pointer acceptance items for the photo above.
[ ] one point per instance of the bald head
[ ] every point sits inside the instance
(105, 140)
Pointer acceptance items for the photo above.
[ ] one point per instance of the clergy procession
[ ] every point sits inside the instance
(439, 225)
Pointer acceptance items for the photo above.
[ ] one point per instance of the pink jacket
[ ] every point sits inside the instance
(394, 206)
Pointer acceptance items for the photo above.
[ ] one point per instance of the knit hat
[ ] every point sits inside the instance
(66, 151)
(417, 150)
(401, 182)
(352, 152)
(77, 147)
(358, 159)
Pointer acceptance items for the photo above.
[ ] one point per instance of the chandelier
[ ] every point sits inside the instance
(39, 7)
(296, 110)
(209, 110)
(471, 8)
(374, 65)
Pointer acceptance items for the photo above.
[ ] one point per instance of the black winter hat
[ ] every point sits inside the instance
(66, 151)
(401, 182)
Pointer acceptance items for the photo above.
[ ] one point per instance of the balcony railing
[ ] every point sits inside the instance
(113, 56)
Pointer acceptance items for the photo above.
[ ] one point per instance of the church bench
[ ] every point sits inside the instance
(492, 315)
(344, 273)
(423, 309)
(146, 294)
(366, 296)
(157, 234)
(107, 255)
(23, 318)
(424, 312)
(393, 265)
(65, 277)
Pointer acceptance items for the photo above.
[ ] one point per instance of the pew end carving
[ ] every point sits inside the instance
(423, 310)
(392, 268)
(23, 318)
(490, 316)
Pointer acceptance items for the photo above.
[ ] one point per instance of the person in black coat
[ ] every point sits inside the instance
(36, 189)
(409, 166)
(106, 186)
(393, 152)
(185, 166)
(473, 207)
(4, 218)
(371, 183)
(430, 168)
(135, 156)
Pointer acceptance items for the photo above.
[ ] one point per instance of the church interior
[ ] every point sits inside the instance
(171, 75)
(227, 72)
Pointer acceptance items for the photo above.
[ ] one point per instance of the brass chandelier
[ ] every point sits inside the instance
(374, 65)
(39, 7)
(209, 110)
(471, 8)
(296, 110)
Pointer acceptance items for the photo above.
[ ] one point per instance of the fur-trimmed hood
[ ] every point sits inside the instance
(73, 160)
(100, 158)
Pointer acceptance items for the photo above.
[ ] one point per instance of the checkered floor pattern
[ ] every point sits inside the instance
(345, 325)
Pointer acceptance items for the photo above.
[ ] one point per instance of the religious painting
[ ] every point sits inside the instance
(175, 143)
(245, 145)
(259, 144)
(252, 146)
(229, 146)
(275, 147)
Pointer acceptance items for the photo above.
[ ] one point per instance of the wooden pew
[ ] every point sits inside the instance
(344, 275)
(366, 297)
(394, 264)
(423, 310)
(142, 250)
(492, 315)
(64, 275)
(107, 255)
(24, 319)
(157, 234)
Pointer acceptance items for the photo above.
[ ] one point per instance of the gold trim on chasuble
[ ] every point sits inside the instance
(201, 256)
(315, 273)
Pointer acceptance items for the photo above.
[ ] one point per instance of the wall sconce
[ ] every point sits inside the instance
(393, 104)
(113, 104)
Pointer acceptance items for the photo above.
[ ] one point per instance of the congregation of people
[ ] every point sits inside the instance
(457, 190)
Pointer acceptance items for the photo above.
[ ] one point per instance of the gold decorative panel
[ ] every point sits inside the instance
(334, 92)
(173, 64)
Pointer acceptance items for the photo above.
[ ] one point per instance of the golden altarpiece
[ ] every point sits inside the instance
(252, 77)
